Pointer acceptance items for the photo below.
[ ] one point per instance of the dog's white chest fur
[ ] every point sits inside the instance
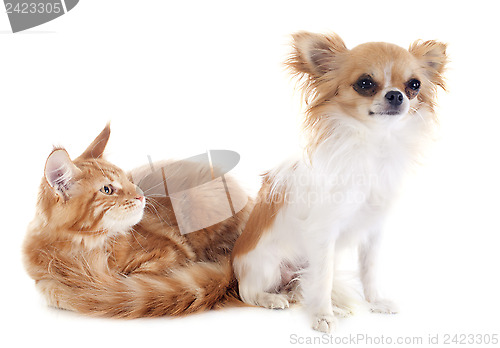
(351, 180)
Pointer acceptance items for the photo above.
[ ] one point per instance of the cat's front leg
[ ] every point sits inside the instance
(368, 257)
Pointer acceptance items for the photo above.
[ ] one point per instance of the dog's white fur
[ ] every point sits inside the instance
(337, 196)
(341, 201)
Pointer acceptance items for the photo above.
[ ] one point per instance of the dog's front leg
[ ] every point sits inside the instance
(316, 283)
(368, 255)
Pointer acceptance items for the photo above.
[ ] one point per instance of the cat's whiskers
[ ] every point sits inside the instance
(150, 203)
(155, 187)
(133, 231)
(92, 253)
(158, 203)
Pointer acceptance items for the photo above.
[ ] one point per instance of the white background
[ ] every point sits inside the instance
(178, 78)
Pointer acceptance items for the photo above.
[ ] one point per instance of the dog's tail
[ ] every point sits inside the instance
(346, 294)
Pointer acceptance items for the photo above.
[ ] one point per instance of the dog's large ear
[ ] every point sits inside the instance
(96, 149)
(433, 58)
(315, 54)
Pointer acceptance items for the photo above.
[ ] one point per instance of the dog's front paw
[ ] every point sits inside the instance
(272, 301)
(324, 323)
(342, 312)
(383, 306)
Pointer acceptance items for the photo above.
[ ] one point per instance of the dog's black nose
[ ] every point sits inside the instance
(395, 98)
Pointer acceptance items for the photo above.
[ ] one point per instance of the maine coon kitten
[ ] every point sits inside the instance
(98, 246)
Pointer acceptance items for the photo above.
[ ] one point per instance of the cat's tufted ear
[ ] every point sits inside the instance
(96, 149)
(60, 171)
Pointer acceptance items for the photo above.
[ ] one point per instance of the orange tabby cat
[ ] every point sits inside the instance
(97, 246)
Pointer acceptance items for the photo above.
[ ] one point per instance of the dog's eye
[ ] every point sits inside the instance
(366, 83)
(107, 190)
(412, 88)
(365, 86)
(413, 84)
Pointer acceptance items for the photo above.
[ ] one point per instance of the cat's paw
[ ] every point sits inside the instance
(324, 323)
(272, 301)
(383, 306)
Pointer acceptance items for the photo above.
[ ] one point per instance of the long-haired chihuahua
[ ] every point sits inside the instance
(369, 111)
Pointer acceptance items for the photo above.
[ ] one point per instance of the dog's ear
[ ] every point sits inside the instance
(315, 54)
(433, 59)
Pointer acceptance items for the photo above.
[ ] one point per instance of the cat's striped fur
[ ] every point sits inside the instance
(111, 252)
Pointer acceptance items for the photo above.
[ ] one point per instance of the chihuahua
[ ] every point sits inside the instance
(369, 111)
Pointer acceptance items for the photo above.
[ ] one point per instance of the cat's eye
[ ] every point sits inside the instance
(107, 190)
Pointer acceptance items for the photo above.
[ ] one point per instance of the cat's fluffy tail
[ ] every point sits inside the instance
(188, 289)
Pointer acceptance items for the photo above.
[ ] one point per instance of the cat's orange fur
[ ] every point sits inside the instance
(87, 254)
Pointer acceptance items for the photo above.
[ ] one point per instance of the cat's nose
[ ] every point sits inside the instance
(141, 198)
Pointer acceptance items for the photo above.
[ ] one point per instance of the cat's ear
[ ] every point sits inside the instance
(96, 149)
(60, 171)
